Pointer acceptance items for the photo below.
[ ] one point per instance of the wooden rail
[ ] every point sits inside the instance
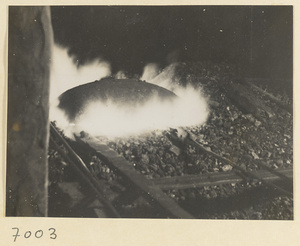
(79, 166)
(147, 188)
(190, 140)
(197, 181)
(285, 106)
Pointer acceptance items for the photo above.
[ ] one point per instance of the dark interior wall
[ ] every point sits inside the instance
(272, 43)
(29, 51)
(259, 39)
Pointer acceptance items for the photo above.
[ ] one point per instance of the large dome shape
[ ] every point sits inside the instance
(122, 92)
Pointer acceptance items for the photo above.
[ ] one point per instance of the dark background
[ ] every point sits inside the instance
(257, 39)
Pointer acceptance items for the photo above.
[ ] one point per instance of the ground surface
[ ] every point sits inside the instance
(261, 132)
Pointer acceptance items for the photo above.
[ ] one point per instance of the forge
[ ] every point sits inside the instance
(129, 93)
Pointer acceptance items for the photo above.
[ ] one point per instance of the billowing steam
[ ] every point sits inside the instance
(110, 120)
(150, 72)
(66, 75)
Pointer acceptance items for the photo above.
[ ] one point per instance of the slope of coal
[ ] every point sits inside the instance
(122, 92)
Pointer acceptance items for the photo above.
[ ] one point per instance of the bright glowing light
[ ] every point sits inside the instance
(66, 75)
(150, 72)
(111, 120)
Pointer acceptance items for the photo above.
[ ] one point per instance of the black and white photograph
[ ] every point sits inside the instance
(150, 112)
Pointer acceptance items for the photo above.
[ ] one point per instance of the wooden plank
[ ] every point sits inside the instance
(283, 85)
(197, 181)
(147, 188)
(79, 166)
(191, 140)
(248, 101)
(287, 107)
(29, 54)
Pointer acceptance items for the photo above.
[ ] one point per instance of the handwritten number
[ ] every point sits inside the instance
(17, 234)
(37, 234)
(53, 233)
(27, 233)
(41, 233)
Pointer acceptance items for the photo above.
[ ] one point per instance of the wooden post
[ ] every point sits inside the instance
(29, 56)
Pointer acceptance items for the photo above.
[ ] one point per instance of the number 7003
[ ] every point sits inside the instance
(37, 234)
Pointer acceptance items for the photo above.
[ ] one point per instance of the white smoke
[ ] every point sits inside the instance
(151, 70)
(65, 75)
(110, 120)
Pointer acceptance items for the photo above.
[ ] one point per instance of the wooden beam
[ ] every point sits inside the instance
(285, 106)
(247, 101)
(29, 54)
(212, 179)
(136, 180)
(190, 139)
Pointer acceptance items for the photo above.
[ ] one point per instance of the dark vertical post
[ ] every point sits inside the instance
(29, 55)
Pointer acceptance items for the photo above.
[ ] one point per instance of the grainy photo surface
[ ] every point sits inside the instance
(150, 112)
